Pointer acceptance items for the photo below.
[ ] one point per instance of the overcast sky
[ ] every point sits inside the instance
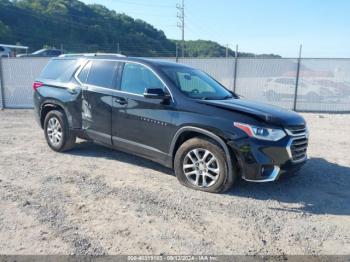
(258, 26)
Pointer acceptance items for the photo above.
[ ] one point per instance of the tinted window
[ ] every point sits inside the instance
(102, 73)
(84, 73)
(137, 77)
(59, 69)
(196, 84)
(2, 49)
(53, 52)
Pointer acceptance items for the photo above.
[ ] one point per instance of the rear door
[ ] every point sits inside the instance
(98, 77)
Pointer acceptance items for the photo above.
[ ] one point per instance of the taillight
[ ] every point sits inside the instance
(36, 85)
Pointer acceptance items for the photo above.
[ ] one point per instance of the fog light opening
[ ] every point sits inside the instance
(267, 170)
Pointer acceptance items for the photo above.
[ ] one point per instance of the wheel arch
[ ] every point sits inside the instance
(48, 106)
(188, 132)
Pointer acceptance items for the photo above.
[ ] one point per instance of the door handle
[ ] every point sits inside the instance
(120, 100)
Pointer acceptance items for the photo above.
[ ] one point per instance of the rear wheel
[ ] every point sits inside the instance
(201, 164)
(57, 133)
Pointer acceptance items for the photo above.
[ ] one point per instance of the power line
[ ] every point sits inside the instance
(190, 28)
(200, 27)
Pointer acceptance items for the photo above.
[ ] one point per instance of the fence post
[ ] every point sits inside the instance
(2, 93)
(235, 70)
(297, 80)
(177, 53)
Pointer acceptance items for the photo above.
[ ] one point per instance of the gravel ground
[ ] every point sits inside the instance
(94, 200)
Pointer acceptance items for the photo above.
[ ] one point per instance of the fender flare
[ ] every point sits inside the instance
(53, 102)
(212, 136)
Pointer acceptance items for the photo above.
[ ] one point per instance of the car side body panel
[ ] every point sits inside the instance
(153, 128)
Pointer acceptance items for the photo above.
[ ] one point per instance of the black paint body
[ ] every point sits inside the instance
(154, 128)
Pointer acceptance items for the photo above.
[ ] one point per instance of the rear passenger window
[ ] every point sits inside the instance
(102, 73)
(60, 69)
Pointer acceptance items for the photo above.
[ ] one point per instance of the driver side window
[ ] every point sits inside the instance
(136, 78)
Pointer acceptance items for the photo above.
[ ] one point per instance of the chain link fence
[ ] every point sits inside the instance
(324, 84)
(314, 85)
(268, 80)
(17, 76)
(219, 68)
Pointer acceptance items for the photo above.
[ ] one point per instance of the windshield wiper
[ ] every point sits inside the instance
(227, 97)
(214, 98)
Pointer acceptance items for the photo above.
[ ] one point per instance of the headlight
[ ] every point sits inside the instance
(263, 133)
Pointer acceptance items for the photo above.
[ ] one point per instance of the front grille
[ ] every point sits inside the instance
(296, 130)
(298, 148)
(299, 142)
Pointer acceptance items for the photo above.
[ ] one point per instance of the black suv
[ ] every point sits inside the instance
(169, 113)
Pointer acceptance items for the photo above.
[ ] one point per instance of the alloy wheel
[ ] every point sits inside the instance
(201, 167)
(54, 131)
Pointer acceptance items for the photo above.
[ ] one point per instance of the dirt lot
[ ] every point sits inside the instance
(93, 200)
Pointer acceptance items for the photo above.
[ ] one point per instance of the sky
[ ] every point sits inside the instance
(257, 26)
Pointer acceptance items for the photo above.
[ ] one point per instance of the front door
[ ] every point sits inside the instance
(140, 124)
(98, 78)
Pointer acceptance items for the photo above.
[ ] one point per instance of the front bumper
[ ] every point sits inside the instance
(265, 161)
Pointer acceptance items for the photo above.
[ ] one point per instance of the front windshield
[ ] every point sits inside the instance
(196, 84)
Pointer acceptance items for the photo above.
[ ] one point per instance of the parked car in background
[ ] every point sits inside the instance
(5, 51)
(11, 50)
(43, 53)
(339, 87)
(283, 88)
(170, 113)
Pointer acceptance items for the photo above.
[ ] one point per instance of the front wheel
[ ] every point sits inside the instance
(201, 164)
(57, 133)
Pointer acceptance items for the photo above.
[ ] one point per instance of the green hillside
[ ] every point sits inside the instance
(206, 48)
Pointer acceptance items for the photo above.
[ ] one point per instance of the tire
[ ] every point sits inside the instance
(57, 133)
(202, 176)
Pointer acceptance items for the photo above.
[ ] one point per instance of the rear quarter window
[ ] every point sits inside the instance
(60, 69)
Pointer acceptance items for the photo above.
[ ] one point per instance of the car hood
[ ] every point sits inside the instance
(268, 113)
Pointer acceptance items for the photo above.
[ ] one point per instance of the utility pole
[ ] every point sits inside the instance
(227, 50)
(118, 48)
(181, 24)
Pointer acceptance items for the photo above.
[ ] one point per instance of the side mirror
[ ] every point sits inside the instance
(154, 93)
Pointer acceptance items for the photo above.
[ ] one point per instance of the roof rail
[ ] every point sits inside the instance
(92, 54)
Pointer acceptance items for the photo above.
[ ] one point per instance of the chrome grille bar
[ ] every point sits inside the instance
(297, 146)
